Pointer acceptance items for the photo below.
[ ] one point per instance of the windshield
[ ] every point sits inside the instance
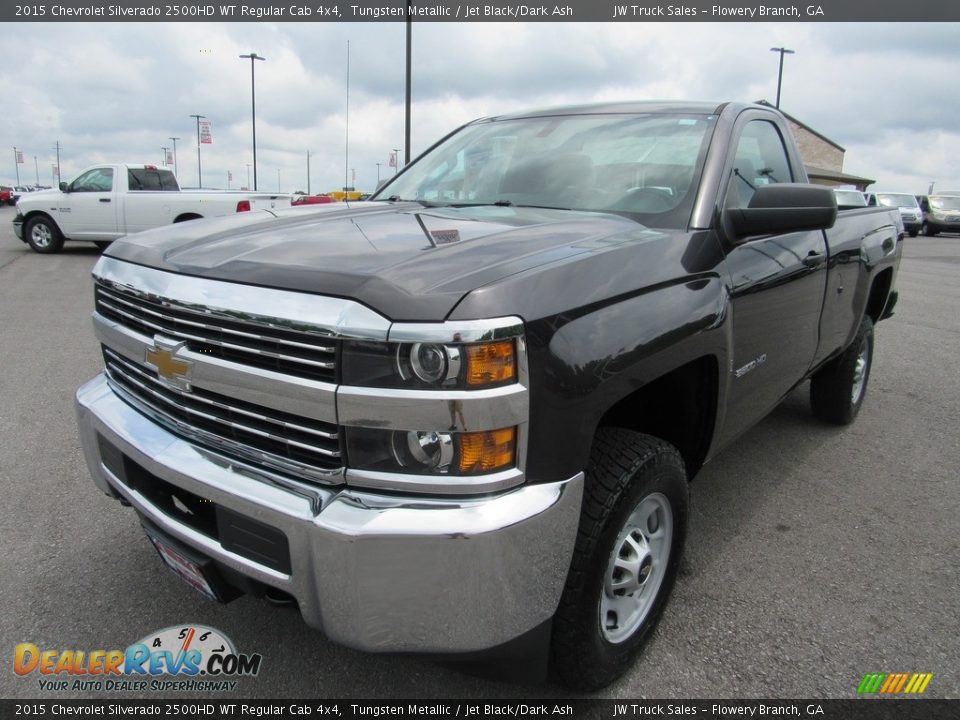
(898, 200)
(945, 203)
(643, 166)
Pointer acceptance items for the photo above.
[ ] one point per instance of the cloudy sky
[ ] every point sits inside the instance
(119, 91)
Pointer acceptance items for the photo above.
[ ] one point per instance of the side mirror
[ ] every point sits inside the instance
(782, 208)
(64, 187)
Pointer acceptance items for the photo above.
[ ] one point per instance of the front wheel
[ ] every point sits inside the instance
(625, 560)
(838, 388)
(927, 230)
(914, 233)
(43, 235)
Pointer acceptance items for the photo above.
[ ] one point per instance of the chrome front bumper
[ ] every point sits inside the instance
(374, 572)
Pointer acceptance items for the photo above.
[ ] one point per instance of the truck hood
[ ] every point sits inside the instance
(405, 261)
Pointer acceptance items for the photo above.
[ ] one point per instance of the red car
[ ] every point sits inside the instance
(311, 200)
(6, 195)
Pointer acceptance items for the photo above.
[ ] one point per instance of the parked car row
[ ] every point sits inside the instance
(9, 194)
(927, 214)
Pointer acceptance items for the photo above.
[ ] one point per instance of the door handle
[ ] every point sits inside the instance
(814, 259)
(104, 199)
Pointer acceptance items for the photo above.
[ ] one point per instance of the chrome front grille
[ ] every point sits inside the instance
(239, 339)
(282, 441)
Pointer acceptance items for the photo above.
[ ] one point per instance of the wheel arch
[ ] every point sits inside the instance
(184, 217)
(42, 213)
(879, 294)
(679, 407)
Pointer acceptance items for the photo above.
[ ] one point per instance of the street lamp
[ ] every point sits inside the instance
(248, 176)
(782, 51)
(278, 177)
(378, 175)
(176, 171)
(164, 154)
(253, 57)
(199, 174)
(58, 148)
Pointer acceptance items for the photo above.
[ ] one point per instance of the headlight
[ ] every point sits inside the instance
(422, 365)
(436, 405)
(420, 452)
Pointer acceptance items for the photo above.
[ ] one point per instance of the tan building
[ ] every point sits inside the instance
(822, 157)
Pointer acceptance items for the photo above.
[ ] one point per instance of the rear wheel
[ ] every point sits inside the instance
(914, 233)
(43, 235)
(628, 548)
(927, 230)
(838, 388)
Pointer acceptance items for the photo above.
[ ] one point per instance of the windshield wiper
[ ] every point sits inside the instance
(397, 198)
(498, 203)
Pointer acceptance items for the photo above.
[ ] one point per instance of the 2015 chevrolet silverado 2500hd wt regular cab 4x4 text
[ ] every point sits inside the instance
(106, 202)
(461, 417)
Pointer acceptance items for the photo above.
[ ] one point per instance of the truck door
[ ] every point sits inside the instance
(776, 283)
(89, 210)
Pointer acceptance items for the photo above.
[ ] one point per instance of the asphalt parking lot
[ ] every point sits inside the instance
(815, 554)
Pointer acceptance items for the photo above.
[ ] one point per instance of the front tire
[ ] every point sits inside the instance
(43, 235)
(628, 548)
(838, 388)
(927, 230)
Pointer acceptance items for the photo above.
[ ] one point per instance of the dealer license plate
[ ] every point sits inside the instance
(185, 568)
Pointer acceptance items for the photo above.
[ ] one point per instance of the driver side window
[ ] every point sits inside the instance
(760, 159)
(96, 180)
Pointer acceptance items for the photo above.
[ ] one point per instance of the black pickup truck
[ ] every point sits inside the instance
(460, 419)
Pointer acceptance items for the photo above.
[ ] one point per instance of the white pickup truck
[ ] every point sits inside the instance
(106, 202)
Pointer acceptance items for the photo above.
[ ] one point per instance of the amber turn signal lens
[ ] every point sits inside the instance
(491, 363)
(483, 452)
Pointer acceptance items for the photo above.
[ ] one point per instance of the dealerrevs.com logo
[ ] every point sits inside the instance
(178, 658)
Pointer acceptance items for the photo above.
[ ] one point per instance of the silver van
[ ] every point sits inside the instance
(910, 211)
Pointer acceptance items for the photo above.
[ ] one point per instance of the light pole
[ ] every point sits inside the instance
(176, 171)
(57, 148)
(253, 57)
(199, 173)
(308, 172)
(378, 175)
(783, 51)
(406, 131)
(248, 176)
(396, 160)
(16, 163)
(278, 177)
(164, 155)
(36, 168)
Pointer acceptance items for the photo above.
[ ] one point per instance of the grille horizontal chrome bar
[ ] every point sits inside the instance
(292, 352)
(285, 442)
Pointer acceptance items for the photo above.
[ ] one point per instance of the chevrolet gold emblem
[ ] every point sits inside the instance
(170, 369)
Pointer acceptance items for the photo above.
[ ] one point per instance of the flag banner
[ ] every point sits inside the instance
(19, 157)
(393, 160)
(206, 136)
(169, 158)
